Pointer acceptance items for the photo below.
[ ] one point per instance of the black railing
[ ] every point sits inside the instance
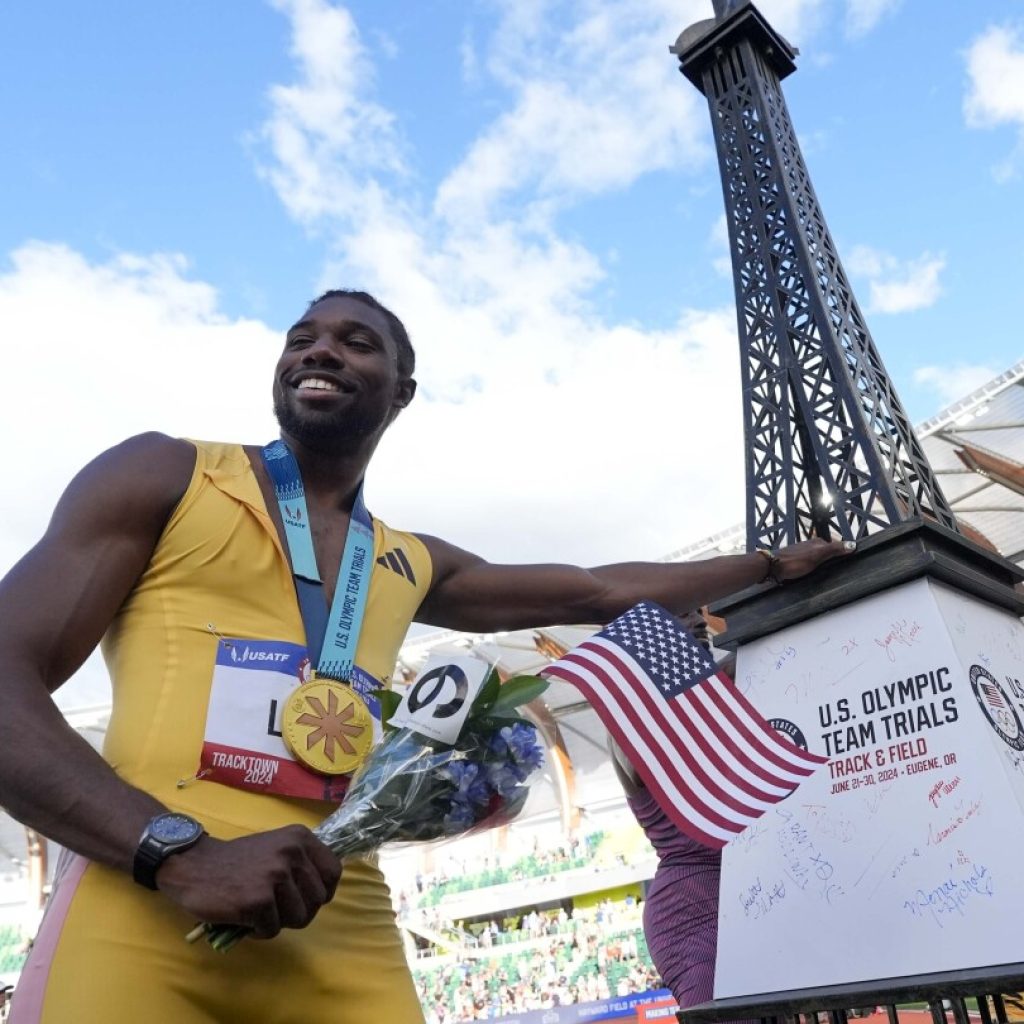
(946, 995)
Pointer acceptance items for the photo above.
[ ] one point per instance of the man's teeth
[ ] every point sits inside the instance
(315, 384)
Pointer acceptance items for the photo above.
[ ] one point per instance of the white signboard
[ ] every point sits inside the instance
(438, 702)
(902, 855)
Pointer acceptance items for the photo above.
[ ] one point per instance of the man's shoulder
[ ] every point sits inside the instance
(137, 481)
(148, 453)
(149, 461)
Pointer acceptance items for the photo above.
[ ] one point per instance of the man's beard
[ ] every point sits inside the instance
(322, 430)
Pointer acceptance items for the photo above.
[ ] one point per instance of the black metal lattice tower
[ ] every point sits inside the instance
(830, 451)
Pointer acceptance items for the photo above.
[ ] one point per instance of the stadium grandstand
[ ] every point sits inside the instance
(540, 919)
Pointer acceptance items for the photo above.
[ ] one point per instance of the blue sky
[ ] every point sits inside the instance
(531, 184)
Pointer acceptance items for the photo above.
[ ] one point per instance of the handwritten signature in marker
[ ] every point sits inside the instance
(758, 899)
(951, 896)
(901, 632)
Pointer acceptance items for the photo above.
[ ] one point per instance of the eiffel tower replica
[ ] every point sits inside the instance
(830, 450)
(831, 453)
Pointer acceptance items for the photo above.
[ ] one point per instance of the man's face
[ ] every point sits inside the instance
(337, 380)
(697, 625)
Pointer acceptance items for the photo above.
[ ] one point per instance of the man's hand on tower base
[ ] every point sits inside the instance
(797, 560)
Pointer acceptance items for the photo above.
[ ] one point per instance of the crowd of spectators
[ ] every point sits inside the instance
(596, 851)
(14, 947)
(565, 958)
(577, 852)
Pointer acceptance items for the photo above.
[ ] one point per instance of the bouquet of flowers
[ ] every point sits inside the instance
(413, 789)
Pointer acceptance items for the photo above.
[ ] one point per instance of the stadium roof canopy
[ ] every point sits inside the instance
(976, 447)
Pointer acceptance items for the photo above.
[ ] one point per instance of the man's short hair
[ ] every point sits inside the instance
(406, 355)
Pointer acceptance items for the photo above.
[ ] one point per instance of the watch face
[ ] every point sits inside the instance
(174, 828)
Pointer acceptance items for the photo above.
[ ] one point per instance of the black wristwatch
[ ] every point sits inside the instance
(165, 834)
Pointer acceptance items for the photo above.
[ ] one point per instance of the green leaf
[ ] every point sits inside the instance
(518, 691)
(389, 701)
(487, 694)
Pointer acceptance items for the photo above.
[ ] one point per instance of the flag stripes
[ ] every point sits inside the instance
(705, 752)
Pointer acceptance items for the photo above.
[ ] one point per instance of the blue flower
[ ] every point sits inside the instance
(521, 742)
(468, 778)
(460, 817)
(504, 778)
(496, 745)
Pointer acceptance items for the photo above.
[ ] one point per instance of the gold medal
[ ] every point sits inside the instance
(327, 726)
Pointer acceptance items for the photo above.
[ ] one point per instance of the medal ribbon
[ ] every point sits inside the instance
(334, 636)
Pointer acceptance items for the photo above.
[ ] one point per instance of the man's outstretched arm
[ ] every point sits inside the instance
(55, 605)
(471, 594)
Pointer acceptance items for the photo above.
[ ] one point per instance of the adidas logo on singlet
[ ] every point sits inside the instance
(397, 562)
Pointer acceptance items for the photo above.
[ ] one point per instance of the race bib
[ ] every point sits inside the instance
(244, 744)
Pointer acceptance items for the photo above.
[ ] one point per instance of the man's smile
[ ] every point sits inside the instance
(320, 384)
(316, 384)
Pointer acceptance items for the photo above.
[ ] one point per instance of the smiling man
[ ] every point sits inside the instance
(210, 573)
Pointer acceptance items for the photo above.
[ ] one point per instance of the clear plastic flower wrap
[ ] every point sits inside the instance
(414, 789)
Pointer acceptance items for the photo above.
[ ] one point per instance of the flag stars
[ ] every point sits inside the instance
(655, 640)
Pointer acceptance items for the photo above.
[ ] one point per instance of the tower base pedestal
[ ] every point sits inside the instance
(901, 553)
(904, 665)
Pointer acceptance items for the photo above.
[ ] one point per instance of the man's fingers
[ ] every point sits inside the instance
(823, 550)
(314, 889)
(296, 899)
(264, 920)
(327, 866)
(310, 882)
(838, 548)
(799, 559)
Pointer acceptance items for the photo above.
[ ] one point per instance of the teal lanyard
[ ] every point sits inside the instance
(332, 638)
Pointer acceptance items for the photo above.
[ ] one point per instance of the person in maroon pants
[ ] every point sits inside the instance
(681, 907)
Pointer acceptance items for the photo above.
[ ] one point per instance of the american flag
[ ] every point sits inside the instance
(713, 763)
(993, 694)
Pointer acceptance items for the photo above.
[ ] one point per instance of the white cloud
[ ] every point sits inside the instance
(951, 383)
(864, 15)
(469, 59)
(995, 95)
(995, 69)
(898, 286)
(319, 124)
(797, 20)
(602, 454)
(571, 130)
(130, 344)
(718, 243)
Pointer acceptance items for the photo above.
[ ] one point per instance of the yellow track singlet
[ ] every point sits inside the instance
(111, 952)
